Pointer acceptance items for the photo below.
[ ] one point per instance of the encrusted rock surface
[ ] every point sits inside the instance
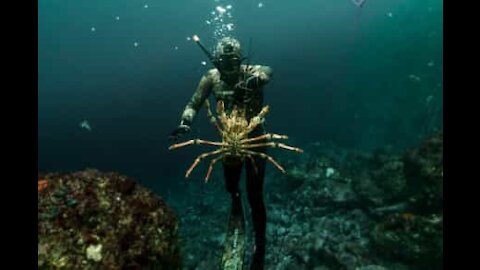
(95, 220)
(334, 209)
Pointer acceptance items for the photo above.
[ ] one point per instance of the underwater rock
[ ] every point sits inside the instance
(378, 178)
(317, 179)
(415, 233)
(320, 214)
(340, 241)
(424, 171)
(389, 177)
(417, 240)
(95, 220)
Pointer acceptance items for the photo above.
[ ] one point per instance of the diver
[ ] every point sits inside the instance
(239, 85)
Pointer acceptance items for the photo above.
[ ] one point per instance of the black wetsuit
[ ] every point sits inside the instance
(252, 102)
(254, 184)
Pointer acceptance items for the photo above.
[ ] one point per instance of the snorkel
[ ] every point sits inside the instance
(216, 62)
(208, 54)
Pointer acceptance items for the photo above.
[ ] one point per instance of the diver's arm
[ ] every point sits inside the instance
(265, 73)
(258, 76)
(196, 101)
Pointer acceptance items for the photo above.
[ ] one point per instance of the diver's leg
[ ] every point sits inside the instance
(254, 184)
(234, 245)
(232, 172)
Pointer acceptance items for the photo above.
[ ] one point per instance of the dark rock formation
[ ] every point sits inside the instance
(94, 220)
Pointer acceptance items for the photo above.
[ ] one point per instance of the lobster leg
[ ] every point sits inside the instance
(212, 118)
(210, 168)
(274, 144)
(253, 153)
(200, 157)
(195, 141)
(268, 136)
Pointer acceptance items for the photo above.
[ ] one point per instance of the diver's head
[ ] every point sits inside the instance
(228, 55)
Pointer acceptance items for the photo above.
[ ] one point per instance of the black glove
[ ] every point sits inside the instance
(179, 132)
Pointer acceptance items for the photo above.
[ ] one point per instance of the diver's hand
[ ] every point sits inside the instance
(179, 132)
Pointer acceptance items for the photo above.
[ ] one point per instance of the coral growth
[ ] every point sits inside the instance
(94, 220)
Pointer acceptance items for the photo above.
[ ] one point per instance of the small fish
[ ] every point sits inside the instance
(85, 125)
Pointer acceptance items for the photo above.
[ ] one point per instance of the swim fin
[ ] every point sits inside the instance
(234, 246)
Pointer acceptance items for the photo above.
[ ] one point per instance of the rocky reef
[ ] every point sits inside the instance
(424, 171)
(414, 233)
(334, 209)
(95, 220)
